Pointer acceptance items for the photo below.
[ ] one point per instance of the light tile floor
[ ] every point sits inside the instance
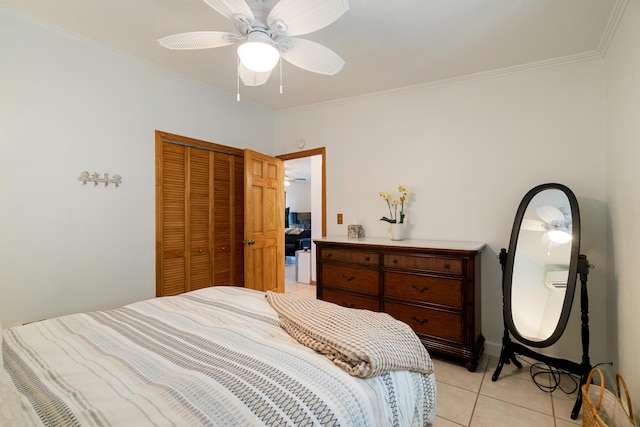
(472, 399)
(302, 290)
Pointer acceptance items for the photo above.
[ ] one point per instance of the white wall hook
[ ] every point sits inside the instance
(96, 178)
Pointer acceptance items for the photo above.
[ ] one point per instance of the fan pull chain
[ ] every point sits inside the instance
(280, 75)
(238, 80)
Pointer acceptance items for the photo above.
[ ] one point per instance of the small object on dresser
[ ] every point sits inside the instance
(397, 231)
(355, 232)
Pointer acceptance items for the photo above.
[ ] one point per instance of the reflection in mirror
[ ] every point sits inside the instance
(541, 265)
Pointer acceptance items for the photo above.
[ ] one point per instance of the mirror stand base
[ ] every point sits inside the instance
(508, 355)
(510, 348)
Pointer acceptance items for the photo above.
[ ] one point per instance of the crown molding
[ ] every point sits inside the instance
(599, 53)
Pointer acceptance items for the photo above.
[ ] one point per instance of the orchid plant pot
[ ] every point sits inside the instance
(397, 231)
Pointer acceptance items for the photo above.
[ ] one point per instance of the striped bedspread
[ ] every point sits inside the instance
(215, 356)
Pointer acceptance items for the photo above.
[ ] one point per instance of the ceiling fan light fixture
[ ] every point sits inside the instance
(559, 236)
(258, 54)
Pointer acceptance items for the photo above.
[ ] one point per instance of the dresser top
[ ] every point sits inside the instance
(422, 244)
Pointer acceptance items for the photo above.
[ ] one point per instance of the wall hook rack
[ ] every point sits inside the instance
(96, 178)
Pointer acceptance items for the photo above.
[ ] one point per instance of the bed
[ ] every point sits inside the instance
(215, 356)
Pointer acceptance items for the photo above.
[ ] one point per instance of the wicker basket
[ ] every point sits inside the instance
(602, 408)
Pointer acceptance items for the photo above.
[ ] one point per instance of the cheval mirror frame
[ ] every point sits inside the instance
(578, 265)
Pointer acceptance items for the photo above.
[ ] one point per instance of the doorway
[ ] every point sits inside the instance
(316, 176)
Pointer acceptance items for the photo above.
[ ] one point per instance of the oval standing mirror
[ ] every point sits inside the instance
(541, 265)
(539, 274)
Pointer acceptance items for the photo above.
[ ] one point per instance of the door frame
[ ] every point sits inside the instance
(322, 151)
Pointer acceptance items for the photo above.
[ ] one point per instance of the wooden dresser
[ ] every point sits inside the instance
(433, 286)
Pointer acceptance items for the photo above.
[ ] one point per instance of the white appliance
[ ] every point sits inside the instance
(303, 266)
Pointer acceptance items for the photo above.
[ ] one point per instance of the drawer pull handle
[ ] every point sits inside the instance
(395, 261)
(348, 305)
(367, 259)
(420, 321)
(348, 278)
(329, 254)
(447, 265)
(426, 288)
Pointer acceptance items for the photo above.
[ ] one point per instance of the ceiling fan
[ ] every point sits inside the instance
(265, 29)
(556, 223)
(288, 179)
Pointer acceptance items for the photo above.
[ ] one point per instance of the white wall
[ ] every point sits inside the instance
(623, 197)
(468, 153)
(67, 106)
(299, 196)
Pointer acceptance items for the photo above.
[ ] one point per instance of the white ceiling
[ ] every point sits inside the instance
(298, 170)
(387, 44)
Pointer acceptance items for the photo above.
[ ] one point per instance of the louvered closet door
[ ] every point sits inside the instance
(228, 220)
(199, 229)
(200, 217)
(186, 219)
(238, 220)
(172, 220)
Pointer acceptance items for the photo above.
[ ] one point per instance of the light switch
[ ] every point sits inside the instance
(339, 218)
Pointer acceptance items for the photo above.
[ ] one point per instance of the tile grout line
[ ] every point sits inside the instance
(475, 403)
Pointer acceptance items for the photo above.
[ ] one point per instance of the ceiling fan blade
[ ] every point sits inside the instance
(198, 40)
(532, 225)
(550, 214)
(312, 56)
(229, 8)
(297, 17)
(253, 78)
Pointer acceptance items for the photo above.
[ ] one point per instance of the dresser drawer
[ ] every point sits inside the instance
(434, 290)
(350, 300)
(445, 265)
(351, 278)
(350, 257)
(425, 321)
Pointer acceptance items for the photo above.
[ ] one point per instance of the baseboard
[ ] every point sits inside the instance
(492, 348)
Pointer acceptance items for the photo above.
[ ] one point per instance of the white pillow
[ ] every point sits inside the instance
(295, 231)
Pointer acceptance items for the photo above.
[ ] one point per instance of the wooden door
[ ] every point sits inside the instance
(228, 219)
(199, 194)
(171, 219)
(185, 193)
(264, 222)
